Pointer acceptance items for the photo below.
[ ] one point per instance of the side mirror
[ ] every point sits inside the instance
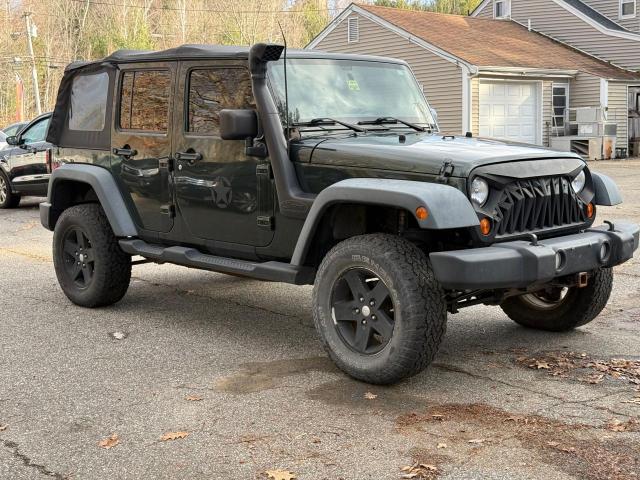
(13, 140)
(238, 124)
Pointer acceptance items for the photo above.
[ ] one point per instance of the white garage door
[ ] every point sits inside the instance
(509, 110)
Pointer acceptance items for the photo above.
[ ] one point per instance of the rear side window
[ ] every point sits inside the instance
(89, 102)
(144, 100)
(215, 89)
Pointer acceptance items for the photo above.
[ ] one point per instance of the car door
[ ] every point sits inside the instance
(141, 141)
(27, 161)
(222, 194)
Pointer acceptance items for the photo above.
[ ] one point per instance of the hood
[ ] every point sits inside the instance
(416, 152)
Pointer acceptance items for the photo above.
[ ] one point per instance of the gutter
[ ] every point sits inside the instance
(527, 72)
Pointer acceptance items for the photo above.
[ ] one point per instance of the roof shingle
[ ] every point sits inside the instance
(496, 43)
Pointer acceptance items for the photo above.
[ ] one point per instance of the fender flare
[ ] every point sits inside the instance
(106, 189)
(448, 207)
(606, 190)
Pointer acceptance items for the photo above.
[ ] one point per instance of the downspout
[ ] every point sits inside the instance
(293, 201)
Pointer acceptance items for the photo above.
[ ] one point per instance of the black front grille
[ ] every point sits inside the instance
(536, 204)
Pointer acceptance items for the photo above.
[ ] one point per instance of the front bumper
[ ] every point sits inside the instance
(519, 264)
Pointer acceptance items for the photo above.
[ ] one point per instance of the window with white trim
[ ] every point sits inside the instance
(628, 8)
(560, 99)
(353, 30)
(501, 8)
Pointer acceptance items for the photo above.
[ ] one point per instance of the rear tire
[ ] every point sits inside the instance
(578, 307)
(8, 199)
(378, 308)
(92, 269)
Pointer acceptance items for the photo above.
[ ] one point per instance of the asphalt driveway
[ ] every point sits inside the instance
(200, 375)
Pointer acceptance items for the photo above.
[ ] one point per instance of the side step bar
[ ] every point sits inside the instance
(190, 257)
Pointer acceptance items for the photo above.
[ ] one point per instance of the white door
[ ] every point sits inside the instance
(509, 110)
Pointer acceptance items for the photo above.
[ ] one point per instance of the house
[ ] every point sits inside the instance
(493, 78)
(607, 29)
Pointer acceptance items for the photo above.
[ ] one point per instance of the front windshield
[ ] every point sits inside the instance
(348, 90)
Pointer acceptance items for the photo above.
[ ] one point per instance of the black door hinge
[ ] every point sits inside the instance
(265, 222)
(169, 210)
(445, 172)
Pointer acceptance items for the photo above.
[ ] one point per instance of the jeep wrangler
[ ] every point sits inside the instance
(324, 169)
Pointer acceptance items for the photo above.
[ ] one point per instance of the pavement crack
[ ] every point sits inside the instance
(28, 462)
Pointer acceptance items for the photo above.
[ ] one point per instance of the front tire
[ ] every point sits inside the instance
(8, 199)
(378, 308)
(557, 310)
(92, 269)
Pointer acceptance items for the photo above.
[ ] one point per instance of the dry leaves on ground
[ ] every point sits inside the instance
(193, 398)
(616, 425)
(173, 436)
(3, 428)
(280, 475)
(109, 442)
(370, 396)
(442, 445)
(564, 363)
(419, 471)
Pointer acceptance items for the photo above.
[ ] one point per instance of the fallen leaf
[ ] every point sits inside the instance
(437, 416)
(280, 475)
(173, 436)
(419, 470)
(370, 396)
(541, 365)
(442, 445)
(477, 440)
(553, 444)
(568, 449)
(3, 428)
(633, 400)
(109, 442)
(193, 398)
(616, 425)
(119, 335)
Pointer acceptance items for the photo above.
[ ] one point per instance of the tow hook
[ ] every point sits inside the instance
(583, 279)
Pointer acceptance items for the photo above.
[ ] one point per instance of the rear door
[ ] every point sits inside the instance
(222, 194)
(141, 141)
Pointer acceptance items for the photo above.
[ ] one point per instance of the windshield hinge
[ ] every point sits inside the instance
(445, 172)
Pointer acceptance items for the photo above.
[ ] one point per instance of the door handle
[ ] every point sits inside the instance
(190, 157)
(125, 152)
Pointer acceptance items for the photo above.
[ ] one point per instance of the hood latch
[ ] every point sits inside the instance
(445, 172)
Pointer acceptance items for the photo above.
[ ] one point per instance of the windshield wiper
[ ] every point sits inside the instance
(382, 120)
(318, 122)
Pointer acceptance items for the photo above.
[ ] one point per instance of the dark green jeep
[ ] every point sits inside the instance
(320, 169)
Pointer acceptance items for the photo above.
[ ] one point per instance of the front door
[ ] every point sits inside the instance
(221, 192)
(28, 160)
(141, 141)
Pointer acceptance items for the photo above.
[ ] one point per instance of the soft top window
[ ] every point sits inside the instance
(88, 105)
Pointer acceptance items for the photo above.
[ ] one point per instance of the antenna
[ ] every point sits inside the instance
(286, 89)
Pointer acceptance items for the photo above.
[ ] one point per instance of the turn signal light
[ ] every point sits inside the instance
(422, 213)
(485, 226)
(590, 210)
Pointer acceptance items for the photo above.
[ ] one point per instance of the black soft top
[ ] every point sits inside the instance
(61, 135)
(199, 52)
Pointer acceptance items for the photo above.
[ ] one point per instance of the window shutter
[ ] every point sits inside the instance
(353, 30)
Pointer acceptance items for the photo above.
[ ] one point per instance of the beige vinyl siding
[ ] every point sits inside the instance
(441, 79)
(584, 91)
(547, 111)
(487, 11)
(618, 111)
(611, 9)
(475, 106)
(551, 19)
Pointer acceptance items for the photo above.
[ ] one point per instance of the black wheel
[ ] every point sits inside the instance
(378, 308)
(560, 309)
(7, 198)
(92, 269)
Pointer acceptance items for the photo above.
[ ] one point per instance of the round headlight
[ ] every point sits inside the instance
(479, 191)
(578, 182)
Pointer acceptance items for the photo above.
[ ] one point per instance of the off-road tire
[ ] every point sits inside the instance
(111, 266)
(419, 307)
(8, 199)
(579, 307)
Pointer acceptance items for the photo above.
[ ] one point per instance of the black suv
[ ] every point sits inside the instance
(26, 164)
(323, 169)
